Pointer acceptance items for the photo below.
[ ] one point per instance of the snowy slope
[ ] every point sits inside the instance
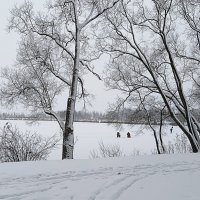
(166, 177)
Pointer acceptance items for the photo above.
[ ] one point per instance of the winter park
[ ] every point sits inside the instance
(100, 100)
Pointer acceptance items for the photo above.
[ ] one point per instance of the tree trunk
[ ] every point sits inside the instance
(68, 135)
(156, 140)
(160, 132)
(195, 148)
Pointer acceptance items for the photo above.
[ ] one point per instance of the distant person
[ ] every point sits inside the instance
(118, 134)
(171, 129)
(128, 135)
(7, 125)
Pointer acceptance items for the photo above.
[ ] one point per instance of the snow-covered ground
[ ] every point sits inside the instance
(166, 177)
(89, 135)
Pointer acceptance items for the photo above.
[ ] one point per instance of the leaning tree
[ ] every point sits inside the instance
(142, 39)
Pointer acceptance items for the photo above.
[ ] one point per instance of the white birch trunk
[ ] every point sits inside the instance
(68, 135)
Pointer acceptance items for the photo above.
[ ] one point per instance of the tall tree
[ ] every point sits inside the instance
(33, 81)
(66, 24)
(142, 38)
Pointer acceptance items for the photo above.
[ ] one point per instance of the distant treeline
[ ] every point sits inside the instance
(92, 116)
(126, 116)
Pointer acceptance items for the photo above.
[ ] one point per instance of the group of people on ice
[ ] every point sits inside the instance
(119, 135)
(129, 135)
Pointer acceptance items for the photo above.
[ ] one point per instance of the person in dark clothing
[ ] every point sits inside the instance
(128, 135)
(118, 134)
(171, 129)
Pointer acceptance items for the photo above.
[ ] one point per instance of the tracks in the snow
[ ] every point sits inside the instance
(112, 182)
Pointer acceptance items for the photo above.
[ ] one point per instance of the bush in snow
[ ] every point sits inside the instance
(16, 146)
(180, 145)
(105, 151)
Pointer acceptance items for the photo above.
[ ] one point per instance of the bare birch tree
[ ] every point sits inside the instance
(32, 82)
(142, 38)
(66, 24)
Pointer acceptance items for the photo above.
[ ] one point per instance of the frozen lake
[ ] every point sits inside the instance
(89, 135)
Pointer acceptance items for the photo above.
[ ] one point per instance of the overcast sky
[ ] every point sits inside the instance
(8, 47)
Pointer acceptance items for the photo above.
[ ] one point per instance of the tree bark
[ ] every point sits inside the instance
(68, 135)
(156, 140)
(160, 132)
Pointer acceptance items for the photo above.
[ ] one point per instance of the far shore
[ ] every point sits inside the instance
(85, 121)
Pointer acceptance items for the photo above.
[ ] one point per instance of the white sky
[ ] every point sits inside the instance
(8, 47)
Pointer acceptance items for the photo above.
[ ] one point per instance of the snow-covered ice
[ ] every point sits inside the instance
(89, 135)
(164, 177)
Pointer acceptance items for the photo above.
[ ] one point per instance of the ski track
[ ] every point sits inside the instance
(130, 179)
(114, 181)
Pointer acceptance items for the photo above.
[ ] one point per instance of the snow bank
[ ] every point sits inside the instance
(166, 177)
